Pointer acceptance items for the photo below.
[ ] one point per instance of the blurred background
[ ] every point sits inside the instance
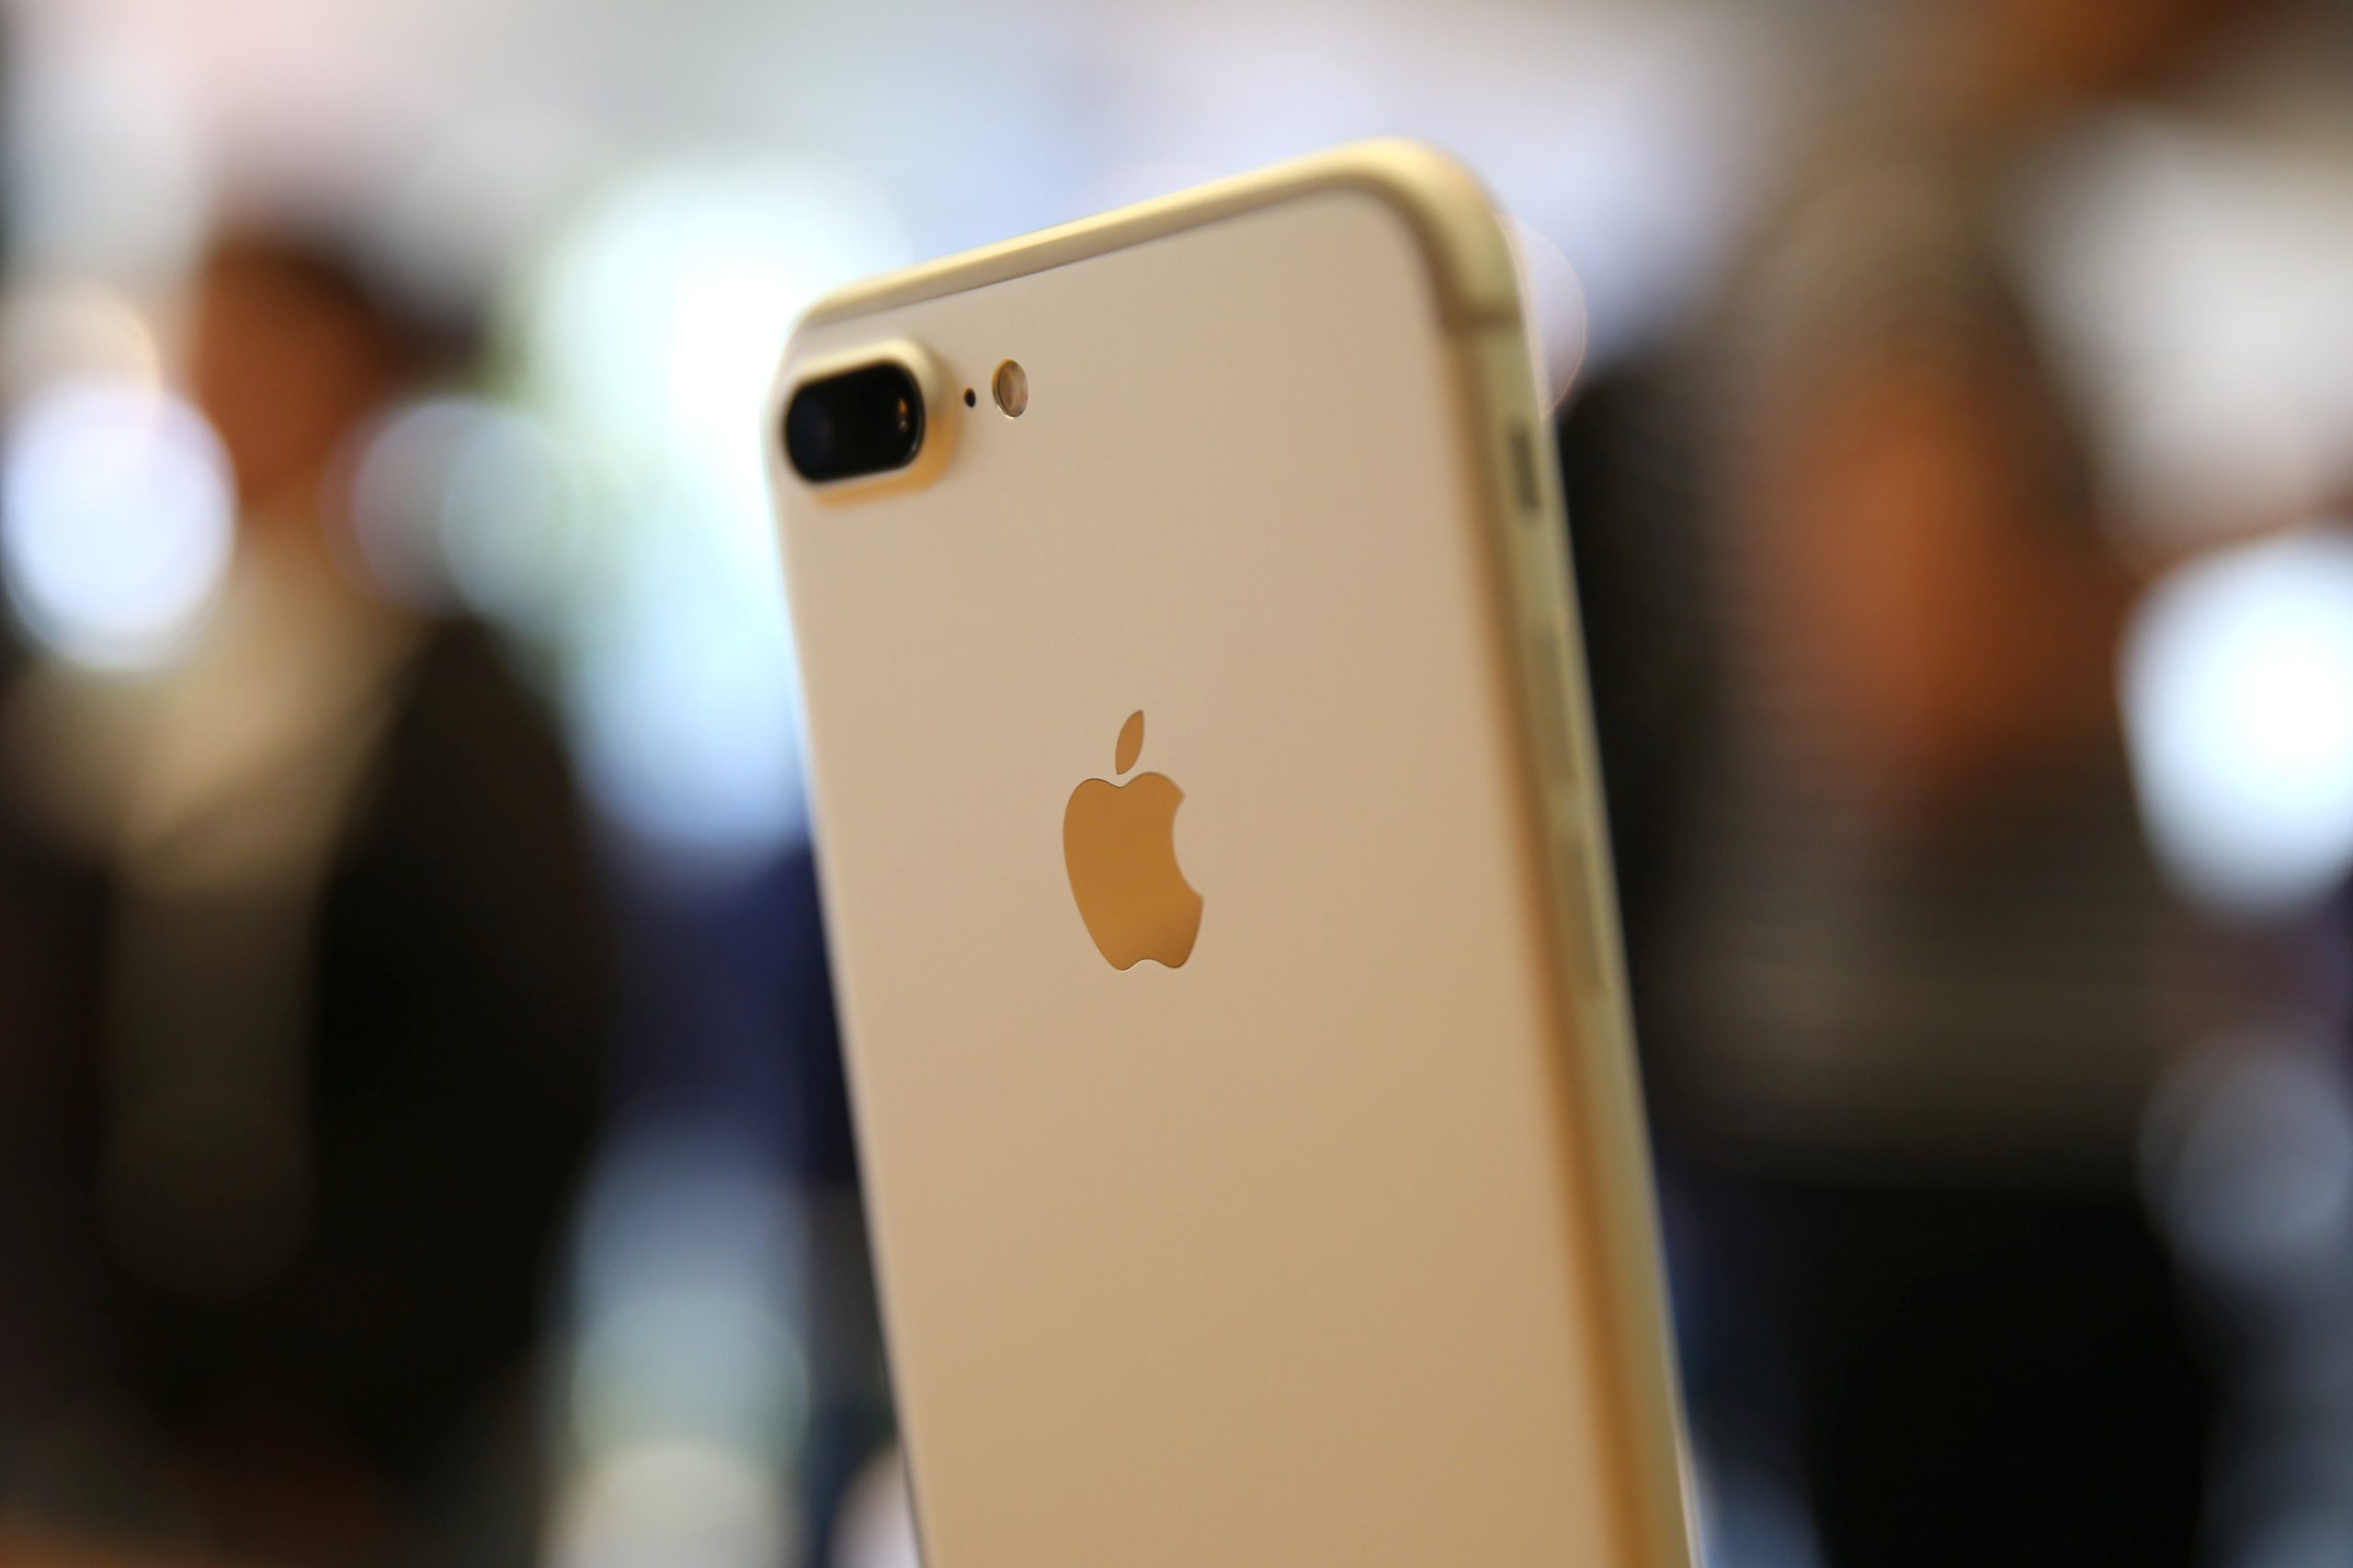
(422, 1136)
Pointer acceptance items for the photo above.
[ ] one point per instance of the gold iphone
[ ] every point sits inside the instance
(1214, 861)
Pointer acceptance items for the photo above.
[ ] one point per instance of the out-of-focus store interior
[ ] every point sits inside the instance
(422, 1136)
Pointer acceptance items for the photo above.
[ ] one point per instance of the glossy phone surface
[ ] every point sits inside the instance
(1213, 867)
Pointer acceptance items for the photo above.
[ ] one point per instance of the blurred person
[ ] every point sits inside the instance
(1906, 971)
(309, 1172)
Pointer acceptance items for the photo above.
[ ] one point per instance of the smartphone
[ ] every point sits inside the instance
(1213, 863)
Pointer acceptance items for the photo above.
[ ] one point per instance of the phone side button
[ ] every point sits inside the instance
(1551, 697)
(1577, 908)
(1520, 456)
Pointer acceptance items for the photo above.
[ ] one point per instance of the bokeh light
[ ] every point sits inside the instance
(398, 490)
(513, 521)
(689, 1385)
(2238, 684)
(62, 330)
(649, 337)
(117, 530)
(653, 329)
(671, 1505)
(1555, 304)
(2251, 1160)
(459, 502)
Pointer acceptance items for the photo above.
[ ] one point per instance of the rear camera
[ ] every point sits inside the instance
(860, 422)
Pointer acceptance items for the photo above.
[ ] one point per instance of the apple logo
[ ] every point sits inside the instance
(1120, 844)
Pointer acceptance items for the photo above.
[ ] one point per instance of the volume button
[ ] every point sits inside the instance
(1520, 455)
(1577, 907)
(1551, 699)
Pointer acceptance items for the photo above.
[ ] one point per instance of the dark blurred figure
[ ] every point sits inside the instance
(1905, 969)
(310, 1166)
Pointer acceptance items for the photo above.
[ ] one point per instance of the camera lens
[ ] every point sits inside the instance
(864, 421)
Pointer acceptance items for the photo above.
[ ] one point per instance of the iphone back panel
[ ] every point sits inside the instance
(1213, 865)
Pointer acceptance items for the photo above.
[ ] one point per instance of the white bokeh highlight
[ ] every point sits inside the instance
(2238, 698)
(117, 527)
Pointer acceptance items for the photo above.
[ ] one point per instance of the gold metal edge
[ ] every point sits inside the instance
(1442, 203)
(1608, 1136)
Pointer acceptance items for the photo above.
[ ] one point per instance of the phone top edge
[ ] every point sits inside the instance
(1445, 207)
